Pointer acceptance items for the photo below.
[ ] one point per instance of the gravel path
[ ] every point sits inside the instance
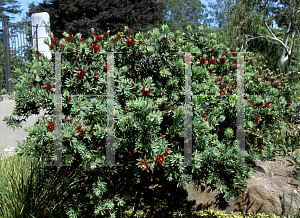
(9, 136)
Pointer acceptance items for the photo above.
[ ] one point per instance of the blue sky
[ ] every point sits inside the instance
(24, 6)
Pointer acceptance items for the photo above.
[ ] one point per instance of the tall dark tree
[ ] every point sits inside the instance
(184, 13)
(219, 12)
(11, 8)
(80, 16)
(245, 19)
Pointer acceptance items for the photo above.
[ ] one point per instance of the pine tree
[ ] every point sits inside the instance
(81, 15)
(11, 8)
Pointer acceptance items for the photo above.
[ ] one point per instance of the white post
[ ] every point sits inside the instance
(40, 30)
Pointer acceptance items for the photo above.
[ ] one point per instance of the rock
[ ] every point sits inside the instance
(264, 194)
(262, 167)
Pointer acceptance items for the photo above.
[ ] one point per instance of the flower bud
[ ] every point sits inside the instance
(92, 30)
(50, 34)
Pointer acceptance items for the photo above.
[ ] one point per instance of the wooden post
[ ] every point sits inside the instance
(7, 56)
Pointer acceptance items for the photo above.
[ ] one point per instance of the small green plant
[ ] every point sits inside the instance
(24, 192)
(4, 91)
(292, 198)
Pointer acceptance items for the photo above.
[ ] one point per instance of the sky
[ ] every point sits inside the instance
(24, 6)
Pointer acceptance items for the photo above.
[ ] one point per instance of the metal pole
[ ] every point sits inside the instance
(7, 56)
(36, 36)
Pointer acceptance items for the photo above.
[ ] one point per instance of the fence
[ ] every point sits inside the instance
(15, 47)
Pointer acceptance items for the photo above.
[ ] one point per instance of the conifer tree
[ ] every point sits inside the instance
(81, 15)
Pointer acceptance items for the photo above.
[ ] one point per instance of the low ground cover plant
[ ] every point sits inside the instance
(149, 114)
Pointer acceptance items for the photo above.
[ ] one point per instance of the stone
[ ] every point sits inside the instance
(263, 194)
(40, 30)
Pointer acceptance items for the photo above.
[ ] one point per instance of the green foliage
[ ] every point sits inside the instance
(149, 128)
(11, 7)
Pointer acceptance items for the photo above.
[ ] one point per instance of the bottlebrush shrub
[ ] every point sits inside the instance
(149, 114)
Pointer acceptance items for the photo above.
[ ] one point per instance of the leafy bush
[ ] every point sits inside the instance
(148, 115)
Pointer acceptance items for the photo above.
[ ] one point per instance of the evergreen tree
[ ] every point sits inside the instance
(11, 7)
(81, 15)
(184, 13)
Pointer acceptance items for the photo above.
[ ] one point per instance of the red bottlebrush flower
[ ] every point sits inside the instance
(141, 142)
(234, 54)
(224, 53)
(94, 34)
(261, 147)
(50, 126)
(222, 92)
(69, 120)
(61, 45)
(243, 192)
(141, 42)
(145, 162)
(130, 41)
(254, 106)
(54, 39)
(146, 91)
(166, 151)
(80, 73)
(257, 118)
(234, 60)
(202, 60)
(81, 133)
(117, 38)
(95, 47)
(276, 85)
(81, 40)
(222, 60)
(231, 90)
(96, 74)
(288, 105)
(69, 98)
(225, 85)
(255, 131)
(268, 105)
(212, 61)
(52, 45)
(255, 143)
(211, 71)
(127, 31)
(106, 35)
(70, 38)
(99, 38)
(220, 79)
(106, 68)
(47, 86)
(277, 103)
(204, 117)
(37, 53)
(244, 55)
(160, 159)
